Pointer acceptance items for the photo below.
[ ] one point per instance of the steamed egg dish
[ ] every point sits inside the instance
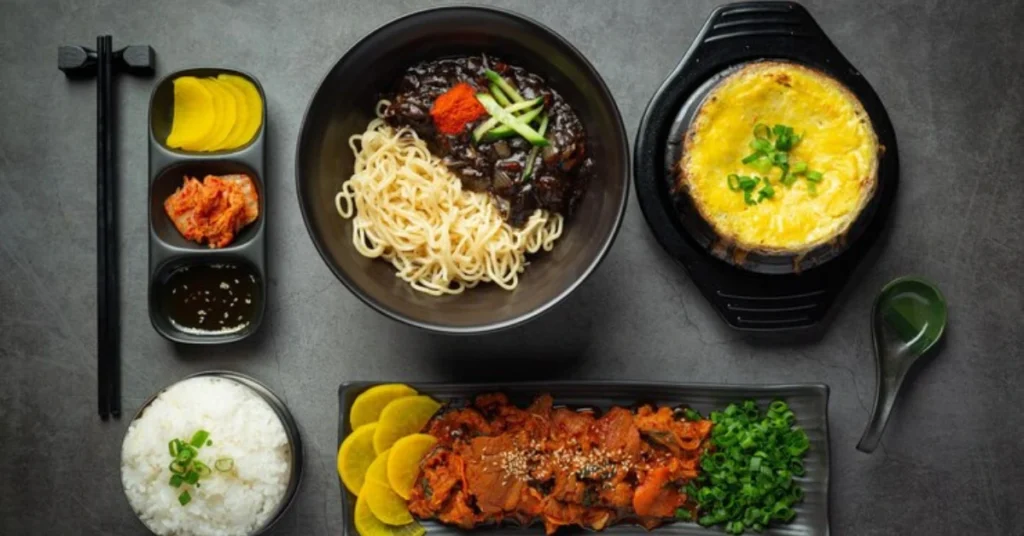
(779, 158)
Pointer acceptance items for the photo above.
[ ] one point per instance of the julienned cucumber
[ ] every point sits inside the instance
(505, 117)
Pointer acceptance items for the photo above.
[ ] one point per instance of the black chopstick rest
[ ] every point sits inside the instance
(81, 62)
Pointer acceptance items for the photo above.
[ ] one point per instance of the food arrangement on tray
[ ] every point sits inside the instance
(469, 186)
(471, 458)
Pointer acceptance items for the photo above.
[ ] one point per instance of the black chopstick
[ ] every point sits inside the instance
(113, 287)
(108, 365)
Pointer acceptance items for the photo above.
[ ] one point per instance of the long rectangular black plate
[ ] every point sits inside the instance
(168, 250)
(808, 401)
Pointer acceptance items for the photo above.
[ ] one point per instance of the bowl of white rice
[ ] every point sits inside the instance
(215, 454)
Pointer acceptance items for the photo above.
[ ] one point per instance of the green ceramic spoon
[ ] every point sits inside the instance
(908, 318)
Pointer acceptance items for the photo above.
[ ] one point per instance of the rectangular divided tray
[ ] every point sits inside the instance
(168, 250)
(808, 401)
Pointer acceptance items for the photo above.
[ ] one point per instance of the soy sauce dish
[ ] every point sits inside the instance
(208, 299)
(215, 453)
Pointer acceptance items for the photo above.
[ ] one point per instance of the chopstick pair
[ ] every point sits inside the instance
(81, 62)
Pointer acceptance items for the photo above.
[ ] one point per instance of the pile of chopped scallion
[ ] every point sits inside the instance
(512, 114)
(771, 149)
(747, 473)
(187, 469)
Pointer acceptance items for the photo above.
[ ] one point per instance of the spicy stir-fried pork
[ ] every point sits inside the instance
(495, 462)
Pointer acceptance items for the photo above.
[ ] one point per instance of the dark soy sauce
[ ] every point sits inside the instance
(211, 298)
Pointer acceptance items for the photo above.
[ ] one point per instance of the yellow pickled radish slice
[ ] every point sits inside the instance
(371, 402)
(367, 524)
(402, 417)
(234, 139)
(193, 113)
(253, 102)
(218, 105)
(404, 462)
(355, 456)
(385, 504)
(224, 118)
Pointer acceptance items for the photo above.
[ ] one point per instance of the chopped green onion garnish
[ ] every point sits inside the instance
(761, 145)
(199, 438)
(734, 182)
(186, 453)
(753, 157)
(764, 165)
(201, 468)
(224, 464)
(767, 154)
(691, 414)
(186, 468)
(746, 479)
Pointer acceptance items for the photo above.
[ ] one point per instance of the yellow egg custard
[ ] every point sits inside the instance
(827, 174)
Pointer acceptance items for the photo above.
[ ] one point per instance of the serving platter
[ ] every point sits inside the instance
(763, 293)
(808, 401)
(169, 252)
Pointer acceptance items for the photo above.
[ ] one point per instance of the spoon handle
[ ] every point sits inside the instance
(884, 401)
(887, 388)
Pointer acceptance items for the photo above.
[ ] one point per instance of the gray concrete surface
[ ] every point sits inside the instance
(950, 74)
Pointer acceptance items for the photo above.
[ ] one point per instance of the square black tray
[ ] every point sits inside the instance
(808, 401)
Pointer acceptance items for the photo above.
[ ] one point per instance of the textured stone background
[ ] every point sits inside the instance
(950, 74)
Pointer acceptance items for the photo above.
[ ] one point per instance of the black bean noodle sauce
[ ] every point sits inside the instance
(561, 170)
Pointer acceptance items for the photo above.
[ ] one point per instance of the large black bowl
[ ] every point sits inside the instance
(344, 104)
